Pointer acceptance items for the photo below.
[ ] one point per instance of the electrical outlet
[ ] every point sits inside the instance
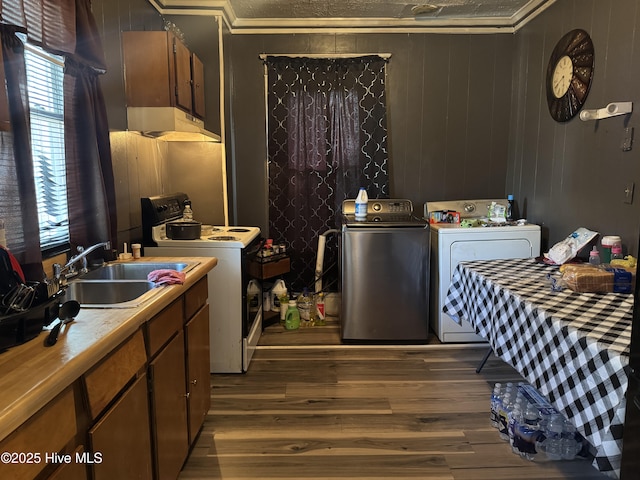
(628, 192)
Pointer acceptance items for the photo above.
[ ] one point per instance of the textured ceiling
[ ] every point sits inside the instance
(350, 14)
(372, 8)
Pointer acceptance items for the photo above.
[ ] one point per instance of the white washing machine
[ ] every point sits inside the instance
(452, 244)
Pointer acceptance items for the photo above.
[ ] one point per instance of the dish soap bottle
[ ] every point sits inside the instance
(361, 204)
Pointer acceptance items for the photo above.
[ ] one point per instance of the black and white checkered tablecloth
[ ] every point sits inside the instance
(574, 347)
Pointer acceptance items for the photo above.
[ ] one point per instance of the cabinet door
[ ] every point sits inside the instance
(182, 58)
(121, 440)
(148, 68)
(197, 69)
(169, 408)
(198, 377)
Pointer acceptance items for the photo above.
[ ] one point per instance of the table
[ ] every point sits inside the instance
(573, 347)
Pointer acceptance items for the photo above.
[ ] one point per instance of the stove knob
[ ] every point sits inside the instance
(469, 207)
(377, 207)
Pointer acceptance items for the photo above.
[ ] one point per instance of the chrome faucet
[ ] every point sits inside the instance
(68, 270)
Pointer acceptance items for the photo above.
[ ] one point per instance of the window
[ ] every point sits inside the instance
(45, 74)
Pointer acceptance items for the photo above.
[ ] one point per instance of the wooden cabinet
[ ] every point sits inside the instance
(120, 440)
(48, 432)
(198, 376)
(160, 71)
(169, 408)
(179, 382)
(118, 409)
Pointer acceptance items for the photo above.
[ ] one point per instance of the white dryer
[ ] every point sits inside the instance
(452, 244)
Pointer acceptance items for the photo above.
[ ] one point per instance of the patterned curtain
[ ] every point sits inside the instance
(327, 137)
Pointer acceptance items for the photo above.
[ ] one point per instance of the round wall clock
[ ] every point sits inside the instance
(569, 75)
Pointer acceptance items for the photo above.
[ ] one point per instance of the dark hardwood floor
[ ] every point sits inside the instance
(310, 408)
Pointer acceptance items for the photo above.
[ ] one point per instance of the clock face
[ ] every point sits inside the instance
(562, 75)
(569, 75)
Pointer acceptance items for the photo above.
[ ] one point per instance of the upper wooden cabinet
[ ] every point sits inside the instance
(160, 71)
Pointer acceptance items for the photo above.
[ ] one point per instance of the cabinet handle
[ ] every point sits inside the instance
(186, 395)
(194, 382)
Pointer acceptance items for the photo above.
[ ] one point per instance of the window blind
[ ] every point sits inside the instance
(46, 104)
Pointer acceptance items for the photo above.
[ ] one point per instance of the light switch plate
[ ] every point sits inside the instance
(628, 192)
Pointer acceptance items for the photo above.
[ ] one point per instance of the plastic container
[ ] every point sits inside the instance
(510, 208)
(320, 320)
(594, 256)
(607, 244)
(362, 201)
(136, 249)
(616, 252)
(187, 213)
(292, 318)
(305, 306)
(278, 289)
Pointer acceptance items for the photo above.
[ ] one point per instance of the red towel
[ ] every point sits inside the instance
(166, 277)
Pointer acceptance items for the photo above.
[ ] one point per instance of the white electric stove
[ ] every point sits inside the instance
(452, 244)
(234, 326)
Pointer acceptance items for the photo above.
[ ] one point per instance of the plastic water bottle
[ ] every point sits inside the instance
(305, 308)
(495, 399)
(361, 204)
(292, 318)
(503, 415)
(187, 213)
(594, 256)
(569, 445)
(528, 433)
(552, 445)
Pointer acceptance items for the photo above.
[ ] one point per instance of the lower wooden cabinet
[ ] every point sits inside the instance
(120, 440)
(134, 414)
(198, 376)
(48, 432)
(169, 408)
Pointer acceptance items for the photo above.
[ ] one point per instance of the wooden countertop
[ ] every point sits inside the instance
(32, 374)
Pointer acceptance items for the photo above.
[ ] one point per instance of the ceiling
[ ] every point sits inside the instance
(258, 16)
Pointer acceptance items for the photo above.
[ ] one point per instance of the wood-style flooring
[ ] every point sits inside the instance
(310, 408)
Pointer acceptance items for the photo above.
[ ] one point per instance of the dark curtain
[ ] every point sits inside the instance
(90, 181)
(63, 27)
(327, 137)
(18, 205)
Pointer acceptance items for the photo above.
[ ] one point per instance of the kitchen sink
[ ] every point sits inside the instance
(134, 270)
(110, 293)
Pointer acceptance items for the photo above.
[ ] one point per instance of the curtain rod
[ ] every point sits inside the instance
(263, 56)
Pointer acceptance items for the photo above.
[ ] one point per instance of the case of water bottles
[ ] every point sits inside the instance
(533, 427)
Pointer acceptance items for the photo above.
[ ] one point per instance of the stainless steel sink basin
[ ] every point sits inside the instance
(135, 270)
(111, 293)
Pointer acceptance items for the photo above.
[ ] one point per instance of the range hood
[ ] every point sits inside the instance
(169, 124)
